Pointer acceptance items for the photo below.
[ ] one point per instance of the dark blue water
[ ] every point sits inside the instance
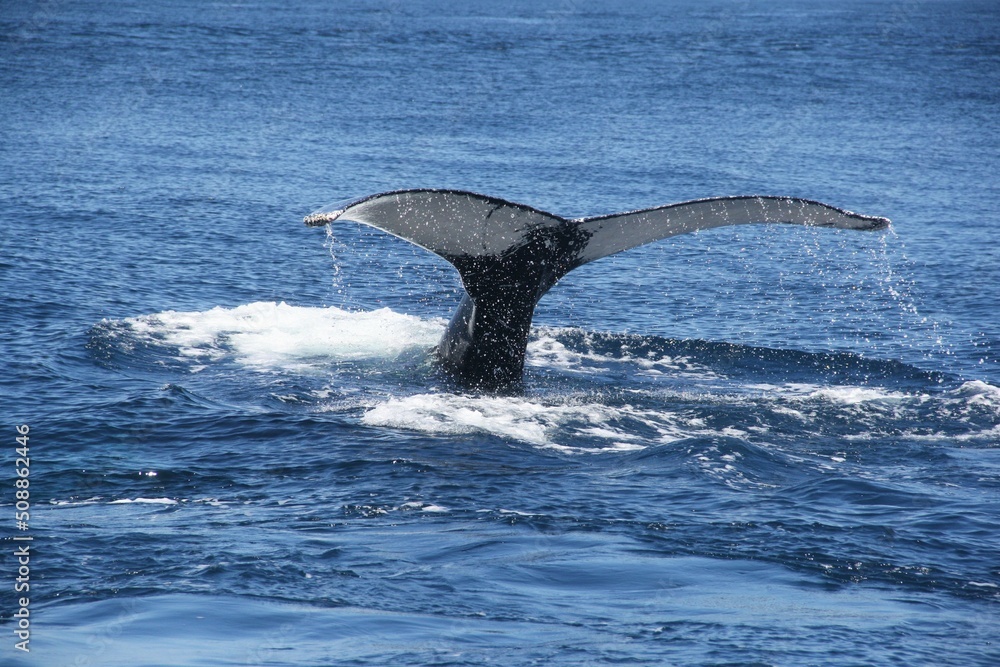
(748, 446)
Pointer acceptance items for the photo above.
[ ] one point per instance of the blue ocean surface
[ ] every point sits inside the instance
(755, 445)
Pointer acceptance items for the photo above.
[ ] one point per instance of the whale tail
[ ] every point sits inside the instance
(509, 255)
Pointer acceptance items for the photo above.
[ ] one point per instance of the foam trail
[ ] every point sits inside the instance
(568, 425)
(277, 335)
(546, 350)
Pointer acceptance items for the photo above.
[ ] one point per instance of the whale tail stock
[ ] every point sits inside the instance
(509, 255)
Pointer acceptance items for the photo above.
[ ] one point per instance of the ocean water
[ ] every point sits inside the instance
(748, 446)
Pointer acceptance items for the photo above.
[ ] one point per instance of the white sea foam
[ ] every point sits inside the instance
(147, 501)
(549, 352)
(840, 394)
(554, 425)
(788, 397)
(433, 508)
(277, 335)
(854, 395)
(576, 424)
(545, 350)
(96, 500)
(423, 507)
(977, 392)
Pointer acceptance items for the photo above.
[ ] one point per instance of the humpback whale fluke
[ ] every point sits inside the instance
(509, 255)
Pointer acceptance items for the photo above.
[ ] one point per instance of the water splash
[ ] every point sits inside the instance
(335, 248)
